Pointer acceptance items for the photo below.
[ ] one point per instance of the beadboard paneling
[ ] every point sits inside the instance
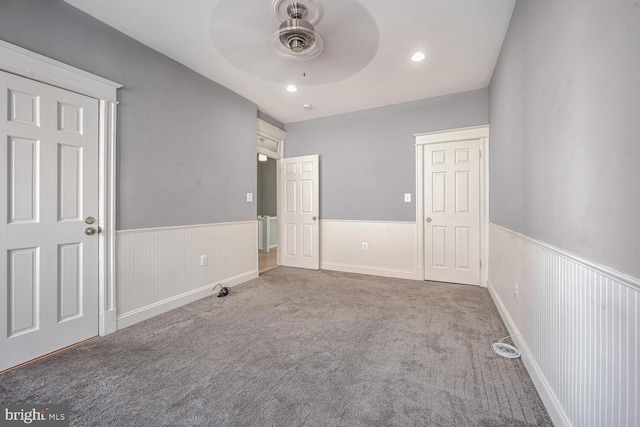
(159, 269)
(273, 231)
(391, 253)
(579, 329)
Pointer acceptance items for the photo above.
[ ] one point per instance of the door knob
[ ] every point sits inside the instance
(428, 219)
(90, 220)
(90, 231)
(314, 218)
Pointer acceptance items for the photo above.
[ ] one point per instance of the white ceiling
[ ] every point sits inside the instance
(365, 61)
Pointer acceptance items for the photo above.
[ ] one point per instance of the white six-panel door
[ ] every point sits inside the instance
(48, 188)
(299, 212)
(452, 212)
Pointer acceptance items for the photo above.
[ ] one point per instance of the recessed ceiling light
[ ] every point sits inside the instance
(307, 106)
(418, 56)
(292, 88)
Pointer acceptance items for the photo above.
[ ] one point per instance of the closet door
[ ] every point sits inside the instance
(48, 219)
(452, 212)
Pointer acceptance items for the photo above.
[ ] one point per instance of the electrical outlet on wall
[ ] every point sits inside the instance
(365, 246)
(204, 260)
(515, 290)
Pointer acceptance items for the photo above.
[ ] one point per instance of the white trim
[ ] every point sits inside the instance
(267, 130)
(480, 133)
(270, 132)
(624, 279)
(383, 272)
(484, 210)
(184, 227)
(551, 403)
(268, 153)
(279, 213)
(107, 216)
(420, 272)
(25, 63)
(169, 304)
(461, 134)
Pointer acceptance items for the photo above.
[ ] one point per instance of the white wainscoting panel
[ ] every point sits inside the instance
(579, 329)
(263, 232)
(159, 269)
(273, 232)
(391, 247)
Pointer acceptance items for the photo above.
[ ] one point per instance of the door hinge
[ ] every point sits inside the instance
(480, 153)
(481, 265)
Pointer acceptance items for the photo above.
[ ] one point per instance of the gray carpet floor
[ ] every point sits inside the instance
(293, 348)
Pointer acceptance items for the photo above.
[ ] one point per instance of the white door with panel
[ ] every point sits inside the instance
(48, 236)
(299, 211)
(452, 212)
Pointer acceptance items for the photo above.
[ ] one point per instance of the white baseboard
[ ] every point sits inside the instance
(549, 399)
(169, 304)
(372, 271)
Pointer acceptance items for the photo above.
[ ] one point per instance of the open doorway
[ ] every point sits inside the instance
(269, 148)
(267, 206)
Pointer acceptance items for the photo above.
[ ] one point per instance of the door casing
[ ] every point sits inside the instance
(268, 131)
(22, 62)
(480, 133)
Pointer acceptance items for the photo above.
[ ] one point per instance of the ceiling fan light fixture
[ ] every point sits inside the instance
(292, 88)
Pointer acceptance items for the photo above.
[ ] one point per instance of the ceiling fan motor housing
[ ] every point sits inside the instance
(296, 33)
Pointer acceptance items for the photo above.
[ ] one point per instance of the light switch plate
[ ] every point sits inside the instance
(249, 197)
(407, 197)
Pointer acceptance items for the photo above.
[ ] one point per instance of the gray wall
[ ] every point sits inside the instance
(267, 118)
(267, 184)
(565, 128)
(367, 158)
(186, 145)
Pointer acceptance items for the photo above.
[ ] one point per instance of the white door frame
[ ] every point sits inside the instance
(22, 62)
(478, 132)
(268, 131)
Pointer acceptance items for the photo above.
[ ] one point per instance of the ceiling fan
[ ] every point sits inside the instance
(295, 33)
(307, 31)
